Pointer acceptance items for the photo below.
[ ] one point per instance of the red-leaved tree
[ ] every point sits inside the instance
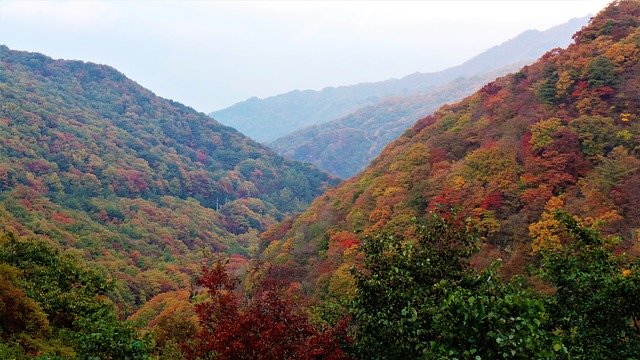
(265, 326)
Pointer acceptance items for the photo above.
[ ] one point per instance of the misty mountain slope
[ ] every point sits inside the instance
(562, 133)
(345, 146)
(92, 161)
(267, 119)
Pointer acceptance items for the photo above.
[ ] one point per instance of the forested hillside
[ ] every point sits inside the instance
(560, 134)
(140, 186)
(503, 226)
(267, 119)
(345, 146)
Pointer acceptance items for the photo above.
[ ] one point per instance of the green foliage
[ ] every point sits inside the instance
(595, 311)
(422, 301)
(395, 297)
(58, 306)
(602, 72)
(491, 319)
(12, 351)
(597, 134)
(103, 336)
(65, 290)
(548, 89)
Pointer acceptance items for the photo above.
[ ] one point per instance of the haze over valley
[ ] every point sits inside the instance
(480, 203)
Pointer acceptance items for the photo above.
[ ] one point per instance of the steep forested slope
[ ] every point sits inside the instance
(345, 146)
(563, 133)
(140, 185)
(273, 117)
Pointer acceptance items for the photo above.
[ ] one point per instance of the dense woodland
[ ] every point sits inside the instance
(138, 185)
(502, 226)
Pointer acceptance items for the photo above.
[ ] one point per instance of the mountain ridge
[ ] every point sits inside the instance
(370, 128)
(562, 133)
(140, 185)
(269, 118)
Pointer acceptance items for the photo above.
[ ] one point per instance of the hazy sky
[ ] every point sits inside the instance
(209, 54)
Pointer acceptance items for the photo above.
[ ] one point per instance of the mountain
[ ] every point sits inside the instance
(140, 186)
(267, 119)
(345, 146)
(562, 133)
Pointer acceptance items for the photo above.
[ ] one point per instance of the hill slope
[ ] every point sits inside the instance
(273, 117)
(92, 161)
(345, 146)
(561, 133)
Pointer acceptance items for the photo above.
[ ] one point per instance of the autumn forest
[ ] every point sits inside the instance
(505, 225)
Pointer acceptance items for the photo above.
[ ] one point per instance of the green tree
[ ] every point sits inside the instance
(601, 72)
(63, 303)
(596, 308)
(422, 301)
(548, 89)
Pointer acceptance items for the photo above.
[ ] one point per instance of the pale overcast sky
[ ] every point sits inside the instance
(211, 54)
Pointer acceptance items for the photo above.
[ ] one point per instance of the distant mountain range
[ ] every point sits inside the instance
(345, 146)
(268, 119)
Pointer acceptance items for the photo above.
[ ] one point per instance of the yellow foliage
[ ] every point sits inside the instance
(414, 156)
(392, 190)
(272, 249)
(342, 284)
(541, 132)
(621, 53)
(493, 166)
(609, 217)
(287, 245)
(486, 221)
(554, 203)
(625, 135)
(625, 117)
(626, 272)
(545, 233)
(458, 183)
(585, 106)
(565, 81)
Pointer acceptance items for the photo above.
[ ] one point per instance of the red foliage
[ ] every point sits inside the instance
(581, 89)
(438, 155)
(492, 201)
(627, 197)
(266, 326)
(560, 165)
(62, 218)
(39, 166)
(604, 91)
(491, 88)
(345, 239)
(423, 123)
(201, 156)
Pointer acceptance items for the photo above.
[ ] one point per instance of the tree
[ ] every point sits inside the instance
(601, 72)
(265, 326)
(422, 301)
(596, 308)
(53, 300)
(548, 89)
